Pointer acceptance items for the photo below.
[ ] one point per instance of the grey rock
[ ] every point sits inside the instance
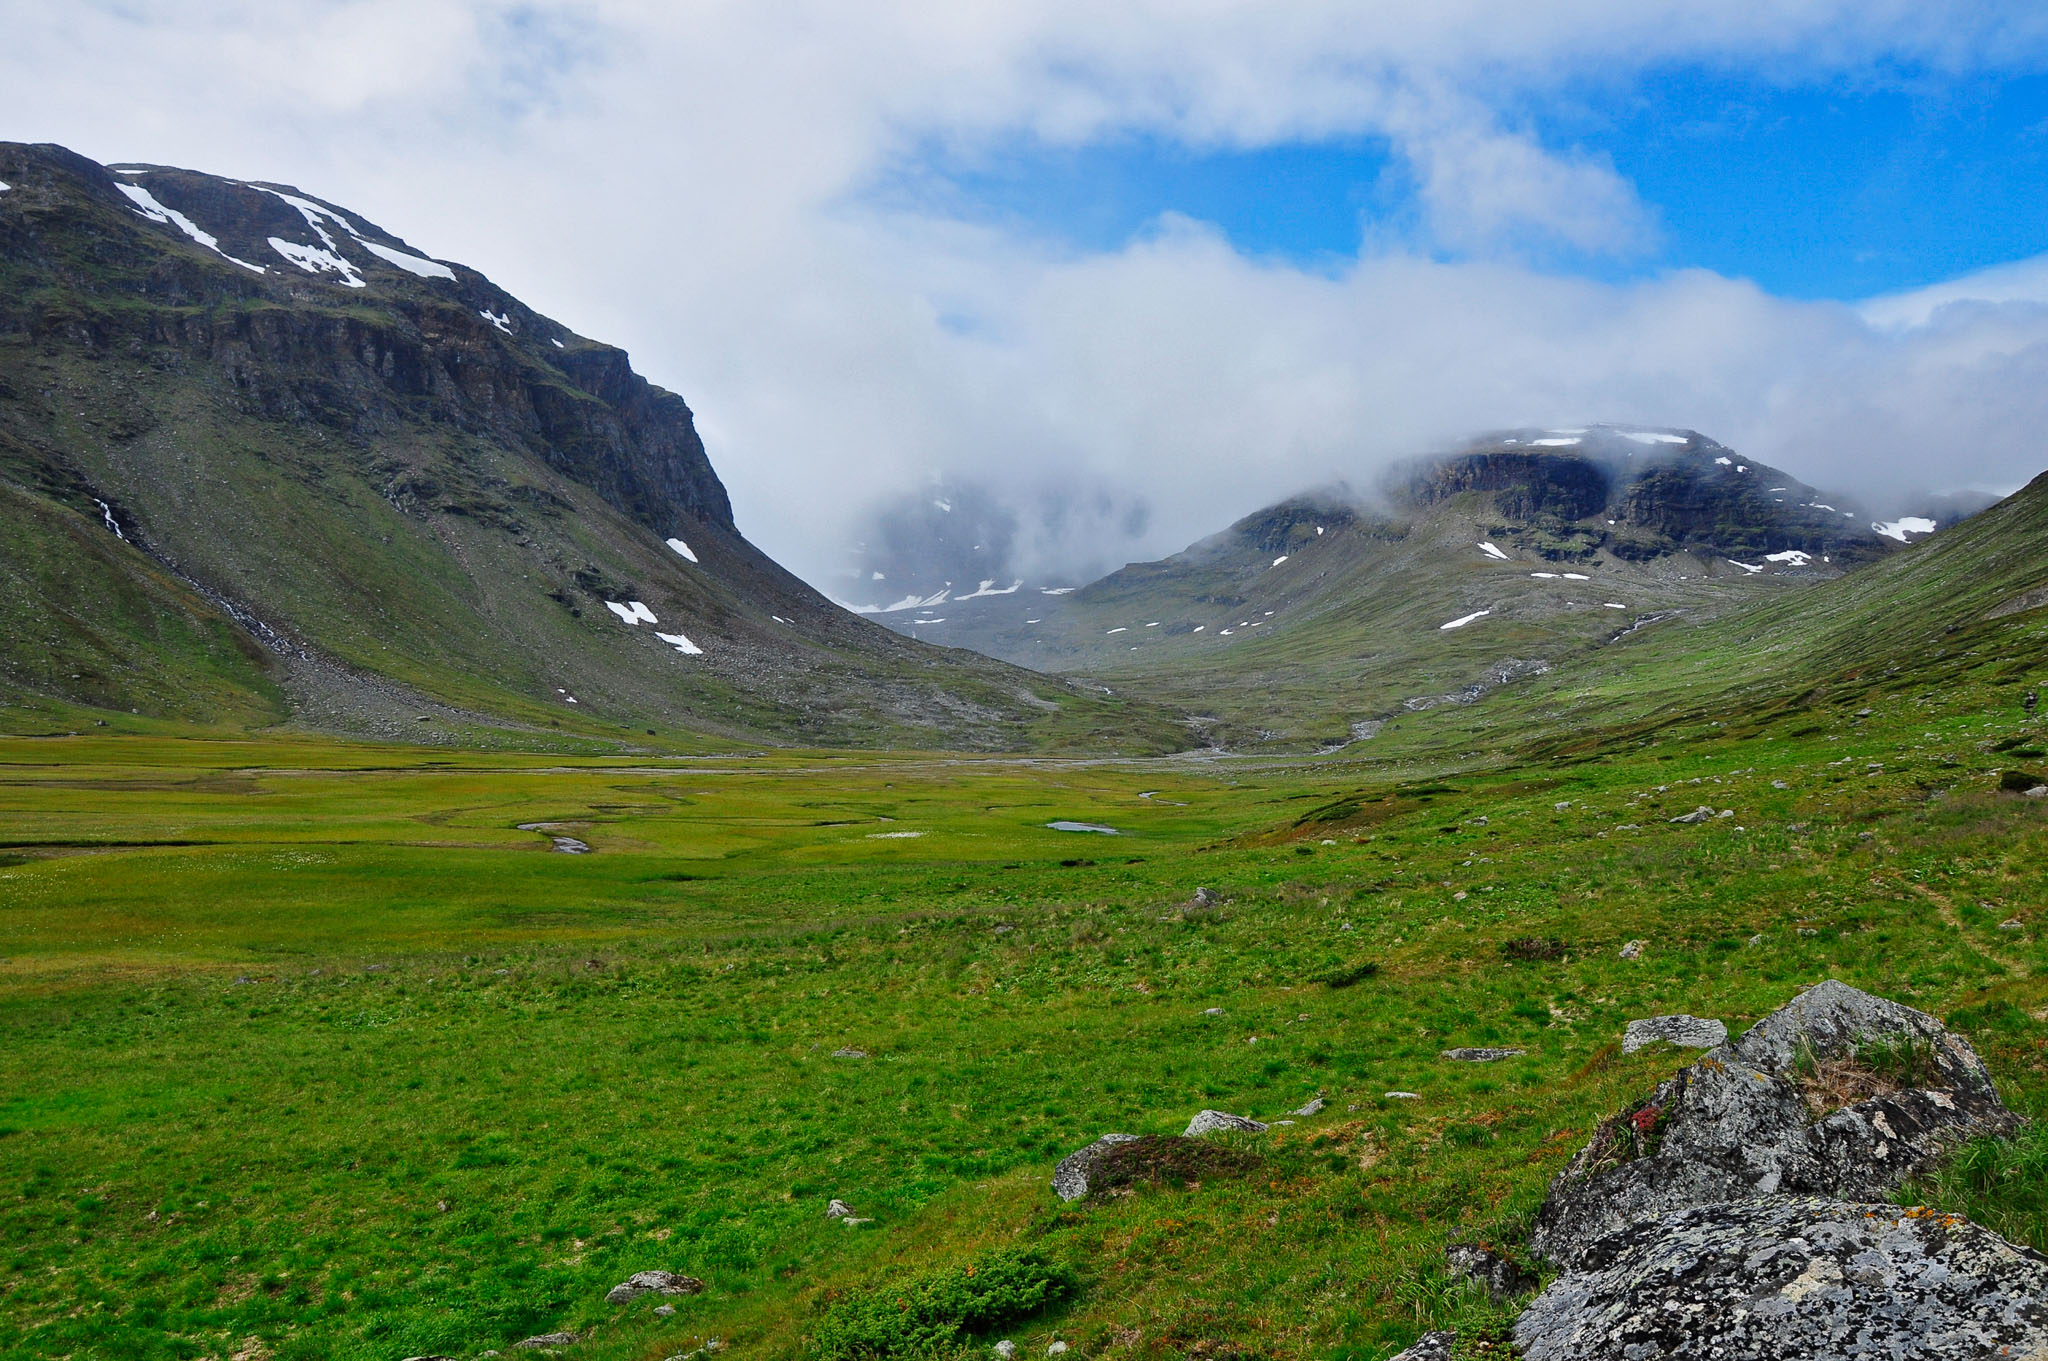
(838, 1209)
(1481, 1055)
(1779, 784)
(1055, 1349)
(1006, 1349)
(664, 1310)
(654, 1283)
(1736, 1125)
(1784, 1277)
(2012, 924)
(1691, 1032)
(1634, 949)
(541, 1340)
(1314, 1107)
(1070, 1178)
(1213, 1011)
(2039, 791)
(1404, 1096)
(1206, 1122)
(1203, 898)
(1430, 1347)
(1503, 1277)
(849, 1053)
(1699, 814)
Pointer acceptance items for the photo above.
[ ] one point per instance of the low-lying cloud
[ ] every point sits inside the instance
(690, 181)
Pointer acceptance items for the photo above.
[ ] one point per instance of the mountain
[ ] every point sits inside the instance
(264, 462)
(1320, 618)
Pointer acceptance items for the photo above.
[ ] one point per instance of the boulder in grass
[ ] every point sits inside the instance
(1208, 1122)
(545, 1341)
(653, 1283)
(1469, 1055)
(1688, 1032)
(1781, 1277)
(1070, 1178)
(1836, 1093)
(1430, 1347)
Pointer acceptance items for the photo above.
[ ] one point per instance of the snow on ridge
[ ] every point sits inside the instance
(631, 612)
(988, 588)
(1792, 556)
(1725, 462)
(1651, 437)
(682, 548)
(313, 212)
(146, 206)
(1557, 442)
(1057, 590)
(1900, 528)
(503, 321)
(1465, 619)
(1492, 551)
(681, 643)
(314, 260)
(411, 264)
(908, 602)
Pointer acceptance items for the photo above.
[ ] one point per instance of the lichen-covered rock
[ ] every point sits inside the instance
(1070, 1178)
(653, 1283)
(1502, 1275)
(1836, 1093)
(1691, 1032)
(1470, 1055)
(1206, 1122)
(1430, 1347)
(1783, 1277)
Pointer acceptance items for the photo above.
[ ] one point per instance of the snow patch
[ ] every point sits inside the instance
(1725, 462)
(988, 587)
(1652, 437)
(1791, 556)
(1557, 442)
(1492, 551)
(1544, 576)
(5, 186)
(1465, 619)
(1899, 529)
(682, 548)
(1576, 576)
(146, 206)
(1319, 531)
(1121, 628)
(411, 264)
(314, 260)
(632, 612)
(1752, 569)
(1057, 590)
(1282, 558)
(503, 321)
(1613, 605)
(680, 642)
(942, 504)
(558, 344)
(1198, 628)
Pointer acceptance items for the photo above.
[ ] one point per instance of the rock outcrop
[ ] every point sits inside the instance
(1689, 1032)
(1208, 1122)
(1782, 1277)
(1837, 1093)
(1070, 1178)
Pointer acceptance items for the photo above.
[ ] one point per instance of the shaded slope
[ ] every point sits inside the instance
(419, 495)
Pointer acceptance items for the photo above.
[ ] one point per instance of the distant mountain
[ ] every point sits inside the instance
(1321, 616)
(262, 462)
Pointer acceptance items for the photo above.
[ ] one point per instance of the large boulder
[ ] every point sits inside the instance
(1836, 1093)
(1208, 1122)
(1070, 1178)
(1784, 1277)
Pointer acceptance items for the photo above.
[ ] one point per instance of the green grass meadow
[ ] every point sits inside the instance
(307, 1051)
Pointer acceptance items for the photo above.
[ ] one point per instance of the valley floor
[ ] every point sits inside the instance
(312, 1050)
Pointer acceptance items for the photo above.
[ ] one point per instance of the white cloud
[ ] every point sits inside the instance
(687, 181)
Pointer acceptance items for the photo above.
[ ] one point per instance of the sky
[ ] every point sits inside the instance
(1140, 270)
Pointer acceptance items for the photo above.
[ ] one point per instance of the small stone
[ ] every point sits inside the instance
(1430, 1347)
(1314, 1107)
(1725, 813)
(1807, 930)
(2012, 924)
(1070, 1178)
(1213, 1011)
(1203, 898)
(1699, 814)
(1779, 784)
(1206, 1122)
(1634, 949)
(1690, 1032)
(1003, 930)
(849, 1053)
(1006, 1349)
(664, 1310)
(1481, 1055)
(1757, 939)
(1560, 807)
(1056, 1349)
(838, 1209)
(540, 1340)
(1404, 1096)
(1459, 896)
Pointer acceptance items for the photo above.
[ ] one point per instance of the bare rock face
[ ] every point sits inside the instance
(1764, 1280)
(1206, 1122)
(1070, 1178)
(1837, 1093)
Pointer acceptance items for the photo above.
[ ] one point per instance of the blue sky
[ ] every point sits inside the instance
(1840, 191)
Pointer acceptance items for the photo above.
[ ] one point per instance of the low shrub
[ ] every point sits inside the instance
(938, 1309)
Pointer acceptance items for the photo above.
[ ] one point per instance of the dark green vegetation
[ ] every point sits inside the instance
(245, 499)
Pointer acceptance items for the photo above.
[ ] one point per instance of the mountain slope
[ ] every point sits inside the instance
(434, 509)
(1320, 618)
